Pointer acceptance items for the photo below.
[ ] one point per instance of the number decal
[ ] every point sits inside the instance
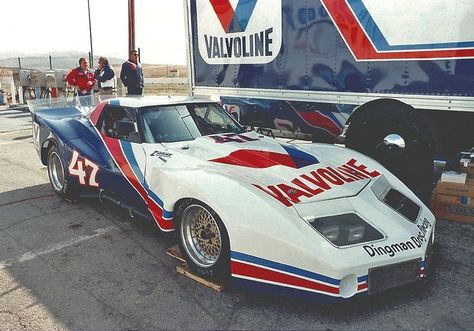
(76, 168)
(95, 169)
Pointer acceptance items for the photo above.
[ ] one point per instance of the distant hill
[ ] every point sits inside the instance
(60, 60)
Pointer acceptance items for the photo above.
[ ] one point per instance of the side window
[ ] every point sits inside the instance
(118, 122)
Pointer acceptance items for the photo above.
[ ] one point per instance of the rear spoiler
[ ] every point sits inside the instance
(64, 107)
(82, 105)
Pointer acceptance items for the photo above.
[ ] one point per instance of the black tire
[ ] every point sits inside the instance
(29, 94)
(57, 174)
(414, 164)
(45, 94)
(203, 240)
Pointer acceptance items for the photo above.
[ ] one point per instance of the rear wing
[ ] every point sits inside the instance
(65, 107)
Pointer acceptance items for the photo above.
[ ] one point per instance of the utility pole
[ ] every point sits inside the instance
(131, 25)
(90, 35)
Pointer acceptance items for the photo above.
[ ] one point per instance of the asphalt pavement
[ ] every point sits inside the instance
(87, 265)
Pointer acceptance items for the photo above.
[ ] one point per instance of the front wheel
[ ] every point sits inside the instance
(203, 240)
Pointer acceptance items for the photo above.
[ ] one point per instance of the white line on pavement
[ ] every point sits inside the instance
(56, 247)
(13, 142)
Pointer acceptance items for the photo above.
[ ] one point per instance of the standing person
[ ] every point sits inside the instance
(82, 78)
(132, 75)
(105, 77)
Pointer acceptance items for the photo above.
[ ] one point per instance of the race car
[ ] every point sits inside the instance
(309, 220)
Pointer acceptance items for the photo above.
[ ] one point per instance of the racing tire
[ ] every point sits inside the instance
(58, 176)
(203, 240)
(412, 164)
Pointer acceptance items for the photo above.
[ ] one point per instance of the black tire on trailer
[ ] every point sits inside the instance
(413, 164)
(57, 174)
(45, 94)
(29, 94)
(203, 240)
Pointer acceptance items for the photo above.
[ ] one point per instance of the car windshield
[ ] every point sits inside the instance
(186, 122)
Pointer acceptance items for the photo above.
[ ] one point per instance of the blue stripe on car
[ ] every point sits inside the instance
(128, 151)
(283, 267)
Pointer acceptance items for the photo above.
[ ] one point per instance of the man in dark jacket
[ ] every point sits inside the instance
(132, 75)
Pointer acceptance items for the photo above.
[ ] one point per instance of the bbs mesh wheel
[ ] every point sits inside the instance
(203, 240)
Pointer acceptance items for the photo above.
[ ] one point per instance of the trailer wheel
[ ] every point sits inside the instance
(399, 138)
(203, 240)
(29, 94)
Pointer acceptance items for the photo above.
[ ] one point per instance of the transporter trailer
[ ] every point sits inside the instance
(395, 78)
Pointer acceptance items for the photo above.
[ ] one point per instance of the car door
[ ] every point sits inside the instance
(123, 175)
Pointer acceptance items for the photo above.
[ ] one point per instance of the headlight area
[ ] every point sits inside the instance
(346, 229)
(395, 199)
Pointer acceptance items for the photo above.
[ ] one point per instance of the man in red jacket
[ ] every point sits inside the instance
(82, 78)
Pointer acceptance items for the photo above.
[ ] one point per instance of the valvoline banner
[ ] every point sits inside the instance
(239, 31)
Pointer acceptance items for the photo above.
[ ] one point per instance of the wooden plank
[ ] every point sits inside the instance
(175, 253)
(184, 270)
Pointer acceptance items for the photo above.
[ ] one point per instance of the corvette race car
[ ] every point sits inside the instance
(309, 220)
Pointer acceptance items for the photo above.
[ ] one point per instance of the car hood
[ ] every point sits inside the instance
(290, 173)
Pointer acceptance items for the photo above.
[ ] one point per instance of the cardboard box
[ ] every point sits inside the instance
(455, 189)
(453, 208)
(454, 177)
(468, 169)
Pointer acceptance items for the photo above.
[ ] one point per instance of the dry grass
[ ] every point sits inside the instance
(156, 71)
(166, 89)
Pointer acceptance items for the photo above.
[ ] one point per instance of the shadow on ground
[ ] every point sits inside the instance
(87, 265)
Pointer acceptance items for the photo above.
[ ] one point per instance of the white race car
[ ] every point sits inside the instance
(310, 220)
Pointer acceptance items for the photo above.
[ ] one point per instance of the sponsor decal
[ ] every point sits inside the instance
(161, 154)
(317, 182)
(232, 138)
(239, 31)
(423, 227)
(393, 249)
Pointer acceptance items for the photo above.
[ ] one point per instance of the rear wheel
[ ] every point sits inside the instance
(398, 137)
(203, 240)
(57, 174)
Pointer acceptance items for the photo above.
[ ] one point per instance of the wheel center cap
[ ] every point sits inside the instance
(206, 234)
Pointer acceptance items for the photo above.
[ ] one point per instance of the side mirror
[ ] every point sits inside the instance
(135, 137)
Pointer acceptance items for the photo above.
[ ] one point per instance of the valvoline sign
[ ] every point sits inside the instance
(405, 29)
(239, 31)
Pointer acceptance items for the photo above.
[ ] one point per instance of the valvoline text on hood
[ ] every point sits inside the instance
(317, 182)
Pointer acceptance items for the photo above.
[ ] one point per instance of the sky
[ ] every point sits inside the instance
(44, 26)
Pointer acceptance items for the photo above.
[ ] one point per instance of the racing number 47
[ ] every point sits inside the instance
(77, 168)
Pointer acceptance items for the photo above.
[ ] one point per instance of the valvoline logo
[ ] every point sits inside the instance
(234, 20)
(434, 29)
(239, 31)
